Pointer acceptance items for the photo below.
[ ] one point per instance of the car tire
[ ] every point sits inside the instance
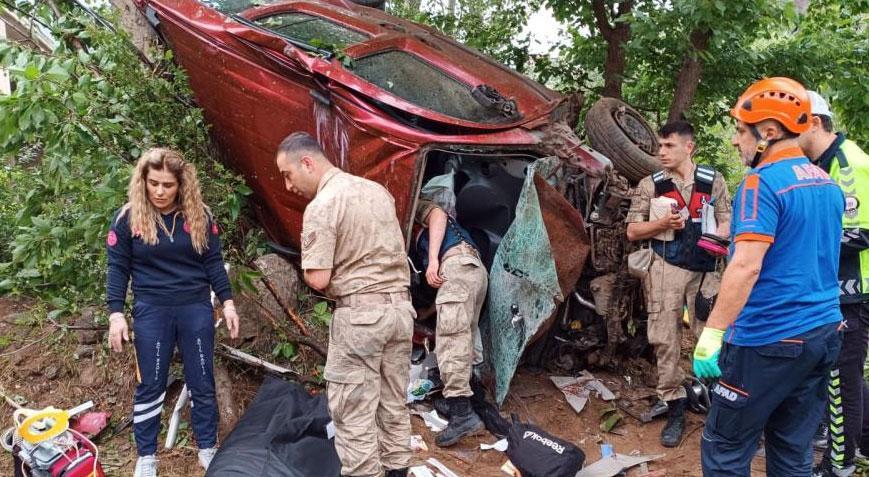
(371, 3)
(622, 134)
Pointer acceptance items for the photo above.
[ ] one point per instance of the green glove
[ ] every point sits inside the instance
(706, 353)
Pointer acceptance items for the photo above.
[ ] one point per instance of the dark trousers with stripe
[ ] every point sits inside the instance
(157, 330)
(775, 389)
(847, 390)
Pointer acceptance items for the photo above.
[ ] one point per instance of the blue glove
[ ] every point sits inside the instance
(706, 353)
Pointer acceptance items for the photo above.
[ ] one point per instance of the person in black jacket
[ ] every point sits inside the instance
(165, 239)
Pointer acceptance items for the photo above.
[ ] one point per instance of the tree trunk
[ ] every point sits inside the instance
(614, 68)
(141, 33)
(689, 75)
(616, 34)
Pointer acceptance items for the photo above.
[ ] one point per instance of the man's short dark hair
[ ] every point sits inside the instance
(300, 142)
(826, 122)
(680, 127)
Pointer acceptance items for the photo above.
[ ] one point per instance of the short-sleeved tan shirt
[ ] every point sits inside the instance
(351, 228)
(424, 208)
(645, 192)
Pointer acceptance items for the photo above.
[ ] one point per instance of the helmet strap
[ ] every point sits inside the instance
(762, 145)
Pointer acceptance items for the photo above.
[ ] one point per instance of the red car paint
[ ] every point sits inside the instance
(256, 88)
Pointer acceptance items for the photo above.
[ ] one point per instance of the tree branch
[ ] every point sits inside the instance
(601, 19)
(689, 76)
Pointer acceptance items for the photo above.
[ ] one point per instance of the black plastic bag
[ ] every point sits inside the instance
(282, 434)
(537, 453)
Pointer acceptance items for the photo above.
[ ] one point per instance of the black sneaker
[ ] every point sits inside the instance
(672, 432)
(826, 470)
(819, 441)
(397, 473)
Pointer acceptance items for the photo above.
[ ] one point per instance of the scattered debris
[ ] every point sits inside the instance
(499, 446)
(659, 409)
(441, 468)
(417, 444)
(577, 389)
(175, 418)
(421, 471)
(240, 355)
(510, 469)
(610, 418)
(432, 420)
(615, 464)
(92, 423)
(418, 389)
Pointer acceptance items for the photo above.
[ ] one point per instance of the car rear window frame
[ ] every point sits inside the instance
(326, 46)
(441, 71)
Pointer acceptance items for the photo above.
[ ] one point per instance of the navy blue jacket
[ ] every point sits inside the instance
(168, 273)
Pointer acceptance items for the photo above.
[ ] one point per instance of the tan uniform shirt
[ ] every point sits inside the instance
(351, 228)
(423, 209)
(645, 192)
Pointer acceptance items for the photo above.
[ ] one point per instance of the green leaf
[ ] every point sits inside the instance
(321, 307)
(288, 350)
(57, 73)
(55, 314)
(28, 273)
(31, 72)
(79, 98)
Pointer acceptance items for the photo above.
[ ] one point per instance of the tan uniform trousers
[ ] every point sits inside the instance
(668, 289)
(367, 373)
(459, 301)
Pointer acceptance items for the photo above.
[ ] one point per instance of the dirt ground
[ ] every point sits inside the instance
(43, 365)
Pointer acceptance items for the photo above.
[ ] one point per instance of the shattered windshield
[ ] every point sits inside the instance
(420, 83)
(312, 30)
(235, 6)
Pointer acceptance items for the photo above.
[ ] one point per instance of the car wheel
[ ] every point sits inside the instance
(370, 3)
(622, 134)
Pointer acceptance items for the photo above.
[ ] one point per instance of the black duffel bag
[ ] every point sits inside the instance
(536, 453)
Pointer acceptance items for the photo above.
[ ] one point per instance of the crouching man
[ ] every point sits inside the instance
(445, 250)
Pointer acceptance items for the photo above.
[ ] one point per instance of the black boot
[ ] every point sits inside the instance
(671, 435)
(463, 422)
(442, 406)
(397, 472)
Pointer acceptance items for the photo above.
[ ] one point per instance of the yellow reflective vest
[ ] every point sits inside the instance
(848, 165)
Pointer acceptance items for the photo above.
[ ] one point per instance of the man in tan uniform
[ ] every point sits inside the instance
(353, 250)
(678, 266)
(452, 265)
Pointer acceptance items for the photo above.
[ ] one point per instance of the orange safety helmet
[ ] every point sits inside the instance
(782, 99)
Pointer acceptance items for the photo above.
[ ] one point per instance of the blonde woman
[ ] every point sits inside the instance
(165, 240)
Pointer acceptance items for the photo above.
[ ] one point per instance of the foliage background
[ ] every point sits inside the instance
(76, 121)
(824, 48)
(81, 114)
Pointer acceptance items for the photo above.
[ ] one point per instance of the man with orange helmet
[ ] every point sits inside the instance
(773, 336)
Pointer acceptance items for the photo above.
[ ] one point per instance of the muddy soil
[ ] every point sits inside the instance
(42, 366)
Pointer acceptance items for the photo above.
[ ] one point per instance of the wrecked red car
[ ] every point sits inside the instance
(399, 103)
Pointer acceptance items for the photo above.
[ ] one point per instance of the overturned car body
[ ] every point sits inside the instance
(399, 103)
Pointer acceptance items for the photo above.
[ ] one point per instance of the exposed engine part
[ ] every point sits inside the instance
(608, 247)
(582, 301)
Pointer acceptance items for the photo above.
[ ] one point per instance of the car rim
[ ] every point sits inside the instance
(636, 130)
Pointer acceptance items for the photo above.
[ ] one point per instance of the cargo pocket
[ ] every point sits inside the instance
(344, 385)
(451, 311)
(725, 418)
